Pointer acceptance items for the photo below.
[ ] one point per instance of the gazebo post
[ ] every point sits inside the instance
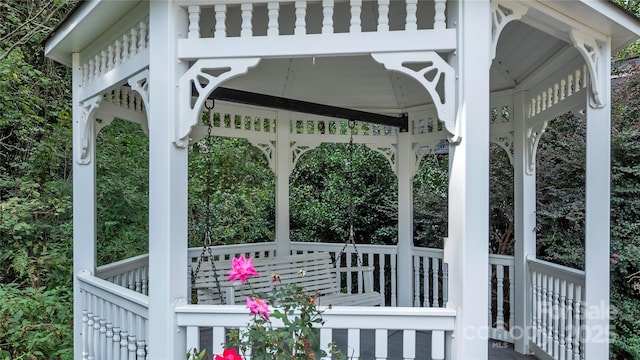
(405, 155)
(467, 247)
(597, 214)
(283, 171)
(84, 204)
(168, 175)
(524, 224)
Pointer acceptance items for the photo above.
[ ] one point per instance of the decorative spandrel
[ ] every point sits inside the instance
(590, 51)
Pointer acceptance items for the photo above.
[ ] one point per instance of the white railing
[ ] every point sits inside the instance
(501, 304)
(571, 82)
(430, 275)
(249, 18)
(132, 273)
(132, 42)
(383, 258)
(206, 326)
(114, 320)
(556, 295)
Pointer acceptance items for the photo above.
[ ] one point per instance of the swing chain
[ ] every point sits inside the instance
(206, 249)
(351, 240)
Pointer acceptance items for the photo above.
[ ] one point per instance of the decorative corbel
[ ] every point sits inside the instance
(268, 148)
(140, 83)
(505, 141)
(589, 49)
(388, 151)
(203, 77)
(532, 138)
(502, 13)
(299, 149)
(430, 70)
(85, 129)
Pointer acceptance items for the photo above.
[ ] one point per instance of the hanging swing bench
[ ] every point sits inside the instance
(322, 272)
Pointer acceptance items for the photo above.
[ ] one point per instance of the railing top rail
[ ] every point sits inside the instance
(366, 317)
(118, 267)
(499, 259)
(574, 275)
(309, 246)
(429, 252)
(123, 297)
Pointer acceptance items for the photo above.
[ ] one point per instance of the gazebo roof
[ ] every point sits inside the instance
(364, 84)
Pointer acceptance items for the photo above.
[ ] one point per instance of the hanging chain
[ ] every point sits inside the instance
(206, 249)
(351, 239)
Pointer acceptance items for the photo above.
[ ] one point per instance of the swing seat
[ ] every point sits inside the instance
(320, 277)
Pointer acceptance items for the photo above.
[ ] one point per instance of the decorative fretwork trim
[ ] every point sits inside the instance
(588, 48)
(140, 83)
(502, 13)
(389, 153)
(203, 77)
(532, 138)
(422, 149)
(86, 130)
(505, 141)
(299, 149)
(268, 148)
(430, 70)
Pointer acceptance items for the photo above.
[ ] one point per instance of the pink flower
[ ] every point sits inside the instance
(614, 258)
(241, 268)
(258, 306)
(229, 354)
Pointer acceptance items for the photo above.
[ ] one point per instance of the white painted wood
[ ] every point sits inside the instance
(84, 211)
(381, 347)
(353, 341)
(405, 163)
(466, 249)
(597, 217)
(437, 345)
(167, 182)
(283, 168)
(408, 344)
(524, 222)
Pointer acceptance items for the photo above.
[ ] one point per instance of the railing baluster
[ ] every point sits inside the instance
(439, 19)
(381, 348)
(301, 13)
(408, 344)
(562, 319)
(411, 20)
(383, 15)
(437, 345)
(556, 315)
(539, 309)
(577, 304)
(353, 343)
(132, 347)
(416, 280)
(500, 297)
(273, 26)
(549, 314)
(221, 17)
(393, 280)
(327, 16)
(435, 298)
(247, 14)
(356, 22)
(194, 21)
(326, 337)
(569, 320)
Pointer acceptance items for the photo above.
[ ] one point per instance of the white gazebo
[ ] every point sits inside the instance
(290, 73)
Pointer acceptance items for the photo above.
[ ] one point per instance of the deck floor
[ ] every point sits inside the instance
(497, 350)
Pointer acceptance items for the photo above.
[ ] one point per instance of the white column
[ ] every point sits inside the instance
(283, 169)
(467, 247)
(405, 159)
(167, 183)
(524, 199)
(597, 217)
(84, 207)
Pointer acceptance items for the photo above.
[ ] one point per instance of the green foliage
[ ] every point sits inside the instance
(122, 159)
(322, 192)
(242, 192)
(430, 205)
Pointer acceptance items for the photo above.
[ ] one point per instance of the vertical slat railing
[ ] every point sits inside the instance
(114, 320)
(556, 292)
(198, 319)
(244, 25)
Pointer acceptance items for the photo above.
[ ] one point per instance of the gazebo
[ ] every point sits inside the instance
(410, 73)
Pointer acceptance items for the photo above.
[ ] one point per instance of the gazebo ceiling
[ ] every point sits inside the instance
(359, 82)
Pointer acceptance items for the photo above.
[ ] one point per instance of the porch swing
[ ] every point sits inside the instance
(322, 271)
